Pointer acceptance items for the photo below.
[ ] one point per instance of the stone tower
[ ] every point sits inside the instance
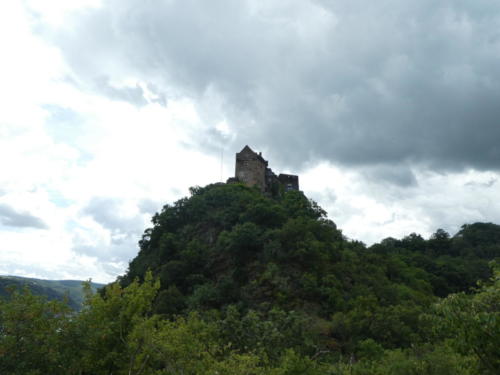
(252, 169)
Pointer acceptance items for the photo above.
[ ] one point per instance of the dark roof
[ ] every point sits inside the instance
(258, 155)
(247, 148)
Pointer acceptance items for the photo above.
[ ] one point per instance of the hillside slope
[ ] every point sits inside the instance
(229, 281)
(230, 248)
(52, 289)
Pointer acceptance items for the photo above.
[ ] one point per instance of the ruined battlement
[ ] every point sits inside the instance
(252, 169)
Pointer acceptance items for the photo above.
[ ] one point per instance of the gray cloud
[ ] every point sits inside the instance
(124, 231)
(487, 184)
(134, 95)
(12, 218)
(415, 82)
(117, 251)
(399, 175)
(101, 83)
(148, 206)
(106, 212)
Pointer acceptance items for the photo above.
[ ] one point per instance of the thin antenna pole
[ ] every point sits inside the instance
(221, 162)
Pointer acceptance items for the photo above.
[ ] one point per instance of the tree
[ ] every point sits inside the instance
(473, 322)
(30, 334)
(99, 334)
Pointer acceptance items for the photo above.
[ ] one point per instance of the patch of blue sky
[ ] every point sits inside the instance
(58, 198)
(64, 125)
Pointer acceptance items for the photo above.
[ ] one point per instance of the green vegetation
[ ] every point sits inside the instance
(62, 290)
(229, 281)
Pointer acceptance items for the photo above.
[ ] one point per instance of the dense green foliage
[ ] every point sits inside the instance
(228, 245)
(229, 281)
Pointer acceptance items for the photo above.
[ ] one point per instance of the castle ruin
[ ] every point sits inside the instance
(252, 169)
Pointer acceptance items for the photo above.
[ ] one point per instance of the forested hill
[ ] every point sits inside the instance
(229, 281)
(228, 247)
(60, 290)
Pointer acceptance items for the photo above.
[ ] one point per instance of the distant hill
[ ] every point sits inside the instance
(52, 289)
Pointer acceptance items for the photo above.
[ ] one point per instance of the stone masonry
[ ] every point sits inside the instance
(252, 169)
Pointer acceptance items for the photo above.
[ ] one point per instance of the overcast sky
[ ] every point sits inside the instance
(389, 111)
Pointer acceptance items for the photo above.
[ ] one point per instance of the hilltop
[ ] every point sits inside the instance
(233, 280)
(231, 247)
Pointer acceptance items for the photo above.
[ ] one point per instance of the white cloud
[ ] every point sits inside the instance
(109, 108)
(368, 210)
(131, 154)
(55, 12)
(61, 147)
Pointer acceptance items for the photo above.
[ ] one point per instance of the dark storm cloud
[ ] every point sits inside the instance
(394, 174)
(12, 218)
(357, 83)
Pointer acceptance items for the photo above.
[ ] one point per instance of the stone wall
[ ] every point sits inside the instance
(251, 168)
(289, 181)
